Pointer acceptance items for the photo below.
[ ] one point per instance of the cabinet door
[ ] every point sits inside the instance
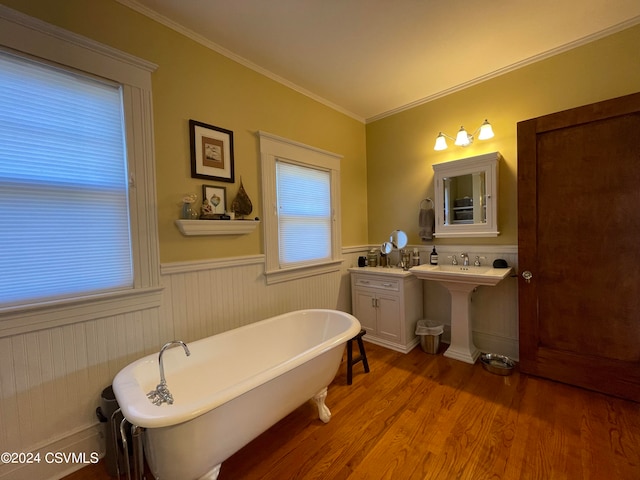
(390, 319)
(364, 309)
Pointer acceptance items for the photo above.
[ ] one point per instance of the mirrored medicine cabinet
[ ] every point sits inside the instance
(466, 197)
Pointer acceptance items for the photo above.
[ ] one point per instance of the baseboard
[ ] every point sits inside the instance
(60, 457)
(393, 346)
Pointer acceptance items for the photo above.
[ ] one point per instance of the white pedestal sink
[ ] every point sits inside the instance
(461, 281)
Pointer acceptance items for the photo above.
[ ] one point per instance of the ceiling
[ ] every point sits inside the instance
(370, 58)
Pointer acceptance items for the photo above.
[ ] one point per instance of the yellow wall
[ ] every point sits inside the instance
(194, 82)
(386, 169)
(400, 147)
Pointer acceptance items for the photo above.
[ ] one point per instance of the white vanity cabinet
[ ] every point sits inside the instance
(388, 303)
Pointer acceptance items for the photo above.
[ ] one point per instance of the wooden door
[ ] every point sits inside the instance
(579, 237)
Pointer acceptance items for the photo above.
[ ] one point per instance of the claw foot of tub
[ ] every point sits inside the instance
(212, 474)
(323, 411)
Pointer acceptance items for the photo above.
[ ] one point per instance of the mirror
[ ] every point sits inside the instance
(466, 197)
(398, 239)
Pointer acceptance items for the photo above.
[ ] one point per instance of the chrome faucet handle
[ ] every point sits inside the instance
(454, 260)
(155, 397)
(477, 262)
(160, 395)
(164, 392)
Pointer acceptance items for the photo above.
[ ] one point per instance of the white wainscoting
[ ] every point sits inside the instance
(205, 298)
(51, 379)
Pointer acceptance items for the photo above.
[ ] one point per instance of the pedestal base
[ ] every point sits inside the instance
(462, 347)
(468, 355)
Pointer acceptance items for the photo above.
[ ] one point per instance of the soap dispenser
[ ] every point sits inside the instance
(433, 257)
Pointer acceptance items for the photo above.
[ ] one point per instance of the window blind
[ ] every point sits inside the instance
(304, 213)
(64, 212)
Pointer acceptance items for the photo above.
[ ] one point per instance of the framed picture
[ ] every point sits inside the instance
(211, 152)
(214, 201)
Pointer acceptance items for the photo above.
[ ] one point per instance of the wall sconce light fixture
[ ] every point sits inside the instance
(463, 139)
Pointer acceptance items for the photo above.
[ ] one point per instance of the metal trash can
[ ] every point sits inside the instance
(429, 333)
(114, 448)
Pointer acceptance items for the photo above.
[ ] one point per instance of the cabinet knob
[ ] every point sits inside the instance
(527, 275)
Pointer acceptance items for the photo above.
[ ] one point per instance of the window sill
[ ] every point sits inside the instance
(285, 275)
(465, 233)
(216, 227)
(31, 318)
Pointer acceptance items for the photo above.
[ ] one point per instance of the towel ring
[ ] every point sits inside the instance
(427, 200)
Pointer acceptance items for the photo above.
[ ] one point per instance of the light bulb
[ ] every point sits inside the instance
(441, 142)
(463, 139)
(486, 132)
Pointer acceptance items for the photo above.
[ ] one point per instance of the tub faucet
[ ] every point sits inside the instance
(466, 259)
(162, 394)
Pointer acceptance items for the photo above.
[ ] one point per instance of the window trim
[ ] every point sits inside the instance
(27, 36)
(273, 147)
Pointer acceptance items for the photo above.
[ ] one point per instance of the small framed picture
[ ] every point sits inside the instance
(214, 201)
(211, 152)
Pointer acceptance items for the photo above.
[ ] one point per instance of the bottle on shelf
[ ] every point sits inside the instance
(415, 258)
(433, 257)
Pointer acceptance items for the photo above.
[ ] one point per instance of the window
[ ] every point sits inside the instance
(63, 185)
(77, 179)
(302, 214)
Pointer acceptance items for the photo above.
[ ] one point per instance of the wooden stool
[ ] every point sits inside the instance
(360, 358)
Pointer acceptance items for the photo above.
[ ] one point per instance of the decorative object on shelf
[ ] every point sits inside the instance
(214, 202)
(463, 139)
(211, 152)
(188, 210)
(241, 205)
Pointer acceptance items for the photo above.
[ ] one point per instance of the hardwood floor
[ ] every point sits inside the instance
(421, 416)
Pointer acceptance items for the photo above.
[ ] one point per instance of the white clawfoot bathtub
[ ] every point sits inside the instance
(233, 387)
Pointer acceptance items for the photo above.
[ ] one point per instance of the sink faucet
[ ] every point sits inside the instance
(466, 259)
(162, 394)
